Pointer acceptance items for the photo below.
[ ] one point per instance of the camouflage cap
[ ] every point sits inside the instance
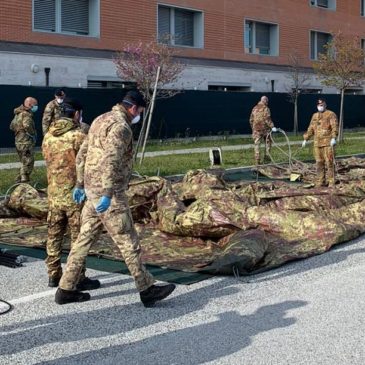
(321, 101)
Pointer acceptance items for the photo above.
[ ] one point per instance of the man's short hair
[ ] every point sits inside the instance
(134, 97)
(69, 107)
(60, 92)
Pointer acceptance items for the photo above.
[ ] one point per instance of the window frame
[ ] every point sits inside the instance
(93, 21)
(316, 46)
(198, 26)
(272, 25)
(332, 5)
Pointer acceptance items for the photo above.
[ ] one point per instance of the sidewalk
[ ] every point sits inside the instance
(14, 165)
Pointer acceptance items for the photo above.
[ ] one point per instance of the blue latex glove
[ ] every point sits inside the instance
(103, 204)
(333, 142)
(274, 129)
(78, 195)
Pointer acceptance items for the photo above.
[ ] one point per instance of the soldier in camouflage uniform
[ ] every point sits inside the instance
(324, 128)
(25, 136)
(104, 165)
(261, 125)
(53, 110)
(60, 146)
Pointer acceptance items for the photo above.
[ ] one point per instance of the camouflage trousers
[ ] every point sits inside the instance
(26, 157)
(58, 220)
(324, 157)
(118, 222)
(259, 137)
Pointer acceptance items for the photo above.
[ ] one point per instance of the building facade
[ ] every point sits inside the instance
(240, 45)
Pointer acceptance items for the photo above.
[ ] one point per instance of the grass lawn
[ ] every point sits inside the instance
(13, 157)
(179, 164)
(219, 141)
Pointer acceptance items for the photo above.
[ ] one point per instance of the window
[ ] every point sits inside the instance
(326, 4)
(180, 27)
(77, 17)
(317, 42)
(261, 38)
(354, 91)
(98, 83)
(310, 90)
(238, 88)
(362, 7)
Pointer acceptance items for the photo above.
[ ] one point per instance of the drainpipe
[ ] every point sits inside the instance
(47, 70)
(272, 86)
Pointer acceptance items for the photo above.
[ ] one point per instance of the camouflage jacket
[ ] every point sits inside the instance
(323, 127)
(60, 146)
(260, 118)
(52, 112)
(25, 132)
(104, 162)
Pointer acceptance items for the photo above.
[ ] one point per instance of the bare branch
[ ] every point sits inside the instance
(341, 66)
(139, 63)
(298, 80)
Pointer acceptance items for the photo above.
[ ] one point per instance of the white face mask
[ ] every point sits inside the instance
(136, 119)
(320, 108)
(59, 100)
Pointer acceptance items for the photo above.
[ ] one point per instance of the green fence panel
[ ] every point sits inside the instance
(187, 114)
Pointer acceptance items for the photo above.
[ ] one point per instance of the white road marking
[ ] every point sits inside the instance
(32, 297)
(50, 292)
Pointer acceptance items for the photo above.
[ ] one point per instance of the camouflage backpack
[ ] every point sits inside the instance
(16, 123)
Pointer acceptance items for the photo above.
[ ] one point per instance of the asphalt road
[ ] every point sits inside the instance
(307, 312)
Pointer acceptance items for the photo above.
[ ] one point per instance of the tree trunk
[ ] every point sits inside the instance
(142, 132)
(340, 126)
(150, 115)
(296, 117)
(141, 136)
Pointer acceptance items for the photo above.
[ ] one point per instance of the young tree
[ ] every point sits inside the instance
(298, 80)
(341, 66)
(140, 63)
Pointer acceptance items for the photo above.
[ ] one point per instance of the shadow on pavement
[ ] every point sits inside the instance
(230, 333)
(76, 326)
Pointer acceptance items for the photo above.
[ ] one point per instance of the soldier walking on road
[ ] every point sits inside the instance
(261, 125)
(52, 112)
(324, 129)
(25, 137)
(60, 146)
(104, 167)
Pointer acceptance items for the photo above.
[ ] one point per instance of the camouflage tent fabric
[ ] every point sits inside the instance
(348, 169)
(204, 224)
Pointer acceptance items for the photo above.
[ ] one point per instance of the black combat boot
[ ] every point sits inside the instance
(88, 284)
(155, 293)
(70, 296)
(53, 281)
